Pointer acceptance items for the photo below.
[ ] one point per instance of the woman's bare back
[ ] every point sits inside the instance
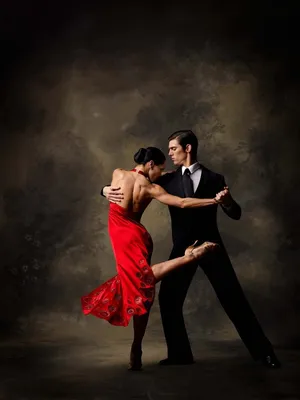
(133, 185)
(138, 192)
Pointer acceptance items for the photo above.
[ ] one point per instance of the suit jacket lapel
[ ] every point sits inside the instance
(177, 185)
(203, 182)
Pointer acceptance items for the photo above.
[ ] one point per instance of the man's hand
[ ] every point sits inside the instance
(168, 172)
(224, 197)
(113, 194)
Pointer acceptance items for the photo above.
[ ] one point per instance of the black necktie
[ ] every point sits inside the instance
(187, 183)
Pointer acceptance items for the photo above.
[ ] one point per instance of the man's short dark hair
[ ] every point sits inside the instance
(185, 137)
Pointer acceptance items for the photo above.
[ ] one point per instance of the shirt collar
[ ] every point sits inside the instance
(192, 168)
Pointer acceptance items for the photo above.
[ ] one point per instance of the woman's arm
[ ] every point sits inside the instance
(158, 193)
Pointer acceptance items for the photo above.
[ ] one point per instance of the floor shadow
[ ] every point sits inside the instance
(81, 371)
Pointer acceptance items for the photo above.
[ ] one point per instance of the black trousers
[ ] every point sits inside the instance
(219, 271)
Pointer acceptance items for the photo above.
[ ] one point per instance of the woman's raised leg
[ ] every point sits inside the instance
(192, 254)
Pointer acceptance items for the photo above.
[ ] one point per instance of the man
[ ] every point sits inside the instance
(193, 179)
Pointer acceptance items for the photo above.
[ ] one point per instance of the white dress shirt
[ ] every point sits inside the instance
(196, 172)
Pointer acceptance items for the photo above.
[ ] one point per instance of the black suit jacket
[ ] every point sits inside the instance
(196, 223)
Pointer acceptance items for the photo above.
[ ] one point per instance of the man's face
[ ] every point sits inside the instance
(176, 152)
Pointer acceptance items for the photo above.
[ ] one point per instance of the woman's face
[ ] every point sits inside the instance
(155, 171)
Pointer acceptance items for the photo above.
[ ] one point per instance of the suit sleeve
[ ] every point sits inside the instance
(234, 211)
(101, 192)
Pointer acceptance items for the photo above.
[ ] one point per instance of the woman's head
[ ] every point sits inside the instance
(153, 159)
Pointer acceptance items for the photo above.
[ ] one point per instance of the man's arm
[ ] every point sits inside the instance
(228, 204)
(102, 190)
(158, 193)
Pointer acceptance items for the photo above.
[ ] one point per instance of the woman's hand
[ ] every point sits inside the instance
(224, 197)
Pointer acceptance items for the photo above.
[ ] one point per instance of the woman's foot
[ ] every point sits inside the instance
(135, 363)
(199, 251)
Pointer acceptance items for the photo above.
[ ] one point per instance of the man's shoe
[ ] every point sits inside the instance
(176, 361)
(271, 361)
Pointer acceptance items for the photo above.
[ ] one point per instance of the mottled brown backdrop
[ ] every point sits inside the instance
(84, 87)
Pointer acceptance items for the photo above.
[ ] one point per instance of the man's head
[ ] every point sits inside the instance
(183, 146)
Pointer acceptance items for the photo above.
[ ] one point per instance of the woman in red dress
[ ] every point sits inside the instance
(131, 292)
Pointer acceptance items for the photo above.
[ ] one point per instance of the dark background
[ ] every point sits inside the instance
(84, 86)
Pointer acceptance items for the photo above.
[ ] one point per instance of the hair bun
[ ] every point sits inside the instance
(139, 156)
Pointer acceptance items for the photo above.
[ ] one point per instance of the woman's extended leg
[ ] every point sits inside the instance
(192, 254)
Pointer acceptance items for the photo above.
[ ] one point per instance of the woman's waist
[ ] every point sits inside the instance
(126, 231)
(119, 214)
(113, 207)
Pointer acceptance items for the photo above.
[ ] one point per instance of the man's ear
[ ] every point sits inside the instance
(151, 163)
(188, 148)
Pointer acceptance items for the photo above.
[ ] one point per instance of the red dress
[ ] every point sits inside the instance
(131, 291)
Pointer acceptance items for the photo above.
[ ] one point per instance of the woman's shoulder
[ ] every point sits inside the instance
(120, 172)
(129, 176)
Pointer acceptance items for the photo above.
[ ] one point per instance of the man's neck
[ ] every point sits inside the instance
(187, 163)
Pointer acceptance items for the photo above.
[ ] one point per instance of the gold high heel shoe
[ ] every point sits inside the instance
(198, 251)
(189, 250)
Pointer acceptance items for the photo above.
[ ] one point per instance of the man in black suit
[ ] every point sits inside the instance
(193, 179)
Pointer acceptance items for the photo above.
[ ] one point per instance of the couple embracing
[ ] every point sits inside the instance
(193, 194)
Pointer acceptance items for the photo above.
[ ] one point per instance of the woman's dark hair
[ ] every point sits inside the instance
(150, 153)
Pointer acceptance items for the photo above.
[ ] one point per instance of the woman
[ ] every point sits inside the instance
(131, 291)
